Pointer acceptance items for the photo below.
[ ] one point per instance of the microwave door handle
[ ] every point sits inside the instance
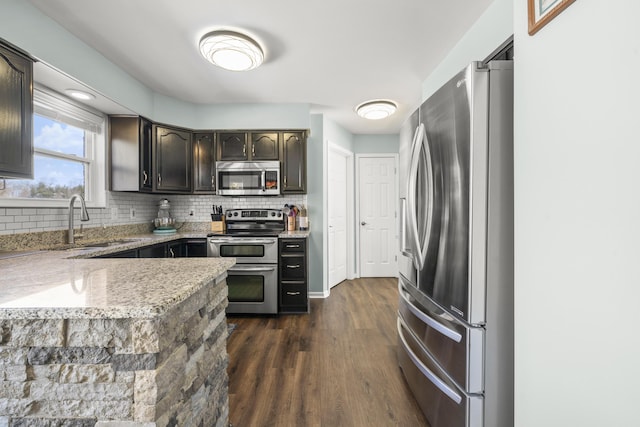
(264, 180)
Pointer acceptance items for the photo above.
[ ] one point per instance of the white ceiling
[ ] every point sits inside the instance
(331, 54)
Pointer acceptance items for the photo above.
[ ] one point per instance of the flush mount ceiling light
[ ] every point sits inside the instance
(376, 109)
(231, 50)
(79, 94)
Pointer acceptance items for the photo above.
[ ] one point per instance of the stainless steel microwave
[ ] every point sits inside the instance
(248, 178)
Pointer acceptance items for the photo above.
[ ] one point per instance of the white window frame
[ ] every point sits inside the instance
(52, 105)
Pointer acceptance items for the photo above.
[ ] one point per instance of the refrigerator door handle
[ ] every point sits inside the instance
(447, 332)
(406, 251)
(418, 260)
(442, 386)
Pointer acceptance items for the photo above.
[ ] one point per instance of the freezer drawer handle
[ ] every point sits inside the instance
(449, 333)
(426, 372)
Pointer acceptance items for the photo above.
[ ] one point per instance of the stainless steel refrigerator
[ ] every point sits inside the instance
(455, 316)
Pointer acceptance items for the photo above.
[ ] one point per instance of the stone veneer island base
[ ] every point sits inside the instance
(163, 364)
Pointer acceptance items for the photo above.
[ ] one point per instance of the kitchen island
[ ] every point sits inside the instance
(113, 342)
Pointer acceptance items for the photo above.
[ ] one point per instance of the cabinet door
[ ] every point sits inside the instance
(154, 251)
(173, 160)
(232, 146)
(264, 146)
(204, 175)
(176, 249)
(196, 248)
(131, 150)
(294, 162)
(16, 110)
(146, 156)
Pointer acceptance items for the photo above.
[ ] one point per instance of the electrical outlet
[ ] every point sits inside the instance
(132, 213)
(114, 213)
(192, 211)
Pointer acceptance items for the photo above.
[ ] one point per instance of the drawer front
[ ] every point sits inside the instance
(292, 246)
(457, 348)
(441, 401)
(293, 293)
(292, 267)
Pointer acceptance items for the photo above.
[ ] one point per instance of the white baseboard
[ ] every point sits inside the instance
(323, 294)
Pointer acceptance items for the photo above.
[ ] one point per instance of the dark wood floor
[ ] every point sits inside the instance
(333, 367)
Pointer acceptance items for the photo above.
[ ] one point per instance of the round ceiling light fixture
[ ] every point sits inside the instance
(231, 50)
(376, 109)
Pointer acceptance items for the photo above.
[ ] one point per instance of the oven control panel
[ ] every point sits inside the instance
(254, 214)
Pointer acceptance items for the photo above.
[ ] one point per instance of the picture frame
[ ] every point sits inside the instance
(541, 12)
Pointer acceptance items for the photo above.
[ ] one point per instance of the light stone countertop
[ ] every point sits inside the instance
(299, 234)
(65, 284)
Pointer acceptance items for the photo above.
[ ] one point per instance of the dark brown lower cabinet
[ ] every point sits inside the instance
(293, 283)
(190, 247)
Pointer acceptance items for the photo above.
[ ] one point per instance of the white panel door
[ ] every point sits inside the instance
(377, 209)
(337, 195)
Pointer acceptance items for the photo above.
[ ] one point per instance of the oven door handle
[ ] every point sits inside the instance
(251, 269)
(241, 242)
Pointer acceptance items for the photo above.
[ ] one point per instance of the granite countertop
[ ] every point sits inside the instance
(295, 234)
(68, 284)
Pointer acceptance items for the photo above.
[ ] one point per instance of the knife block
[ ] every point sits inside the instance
(218, 226)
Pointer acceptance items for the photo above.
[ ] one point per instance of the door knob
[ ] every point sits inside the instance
(363, 223)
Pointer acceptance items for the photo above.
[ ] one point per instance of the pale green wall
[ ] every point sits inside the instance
(26, 27)
(337, 134)
(315, 189)
(577, 207)
(388, 143)
(492, 29)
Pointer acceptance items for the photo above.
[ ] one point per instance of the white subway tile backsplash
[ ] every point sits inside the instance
(26, 220)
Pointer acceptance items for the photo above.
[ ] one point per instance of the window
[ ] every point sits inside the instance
(69, 155)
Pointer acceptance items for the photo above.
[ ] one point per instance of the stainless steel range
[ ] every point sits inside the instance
(252, 239)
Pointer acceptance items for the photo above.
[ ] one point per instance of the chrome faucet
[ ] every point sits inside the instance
(84, 216)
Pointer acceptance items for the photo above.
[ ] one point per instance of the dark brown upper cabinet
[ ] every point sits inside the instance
(252, 146)
(204, 165)
(131, 153)
(16, 113)
(264, 146)
(294, 162)
(172, 157)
